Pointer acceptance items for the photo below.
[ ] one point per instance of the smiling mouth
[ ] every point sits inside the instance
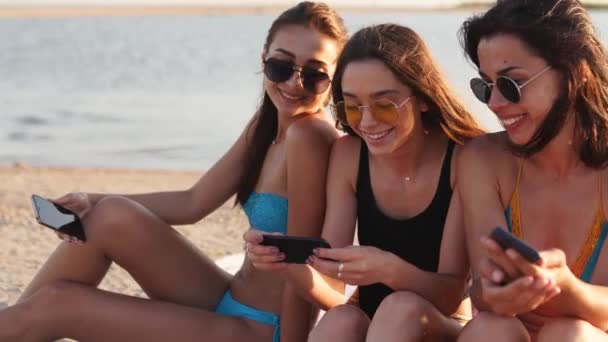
(512, 121)
(291, 97)
(378, 135)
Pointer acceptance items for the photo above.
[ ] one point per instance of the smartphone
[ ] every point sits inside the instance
(296, 248)
(58, 218)
(508, 240)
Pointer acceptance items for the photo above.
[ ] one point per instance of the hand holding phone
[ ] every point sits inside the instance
(58, 218)
(295, 248)
(507, 240)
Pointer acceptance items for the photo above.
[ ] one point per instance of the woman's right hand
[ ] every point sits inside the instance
(265, 258)
(79, 203)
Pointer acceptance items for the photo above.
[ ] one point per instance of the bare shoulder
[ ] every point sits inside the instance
(312, 129)
(487, 149)
(345, 156)
(346, 148)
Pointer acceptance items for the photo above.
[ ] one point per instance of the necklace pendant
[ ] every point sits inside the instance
(407, 178)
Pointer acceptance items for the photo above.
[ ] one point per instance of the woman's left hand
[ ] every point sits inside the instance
(355, 265)
(552, 266)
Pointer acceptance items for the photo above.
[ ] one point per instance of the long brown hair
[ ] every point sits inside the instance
(560, 32)
(408, 58)
(314, 15)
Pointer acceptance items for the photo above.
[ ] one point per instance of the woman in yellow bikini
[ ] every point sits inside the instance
(544, 73)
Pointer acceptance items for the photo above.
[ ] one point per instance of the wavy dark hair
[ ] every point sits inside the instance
(314, 15)
(562, 33)
(405, 54)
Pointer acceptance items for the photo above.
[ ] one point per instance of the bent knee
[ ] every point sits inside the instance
(111, 214)
(486, 324)
(345, 316)
(566, 329)
(342, 322)
(405, 306)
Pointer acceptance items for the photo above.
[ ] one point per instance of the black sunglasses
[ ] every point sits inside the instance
(278, 70)
(509, 89)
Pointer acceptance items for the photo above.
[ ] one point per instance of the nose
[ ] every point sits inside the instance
(295, 80)
(496, 101)
(367, 118)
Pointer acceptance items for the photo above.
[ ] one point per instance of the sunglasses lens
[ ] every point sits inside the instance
(508, 88)
(481, 89)
(314, 81)
(385, 111)
(277, 70)
(347, 113)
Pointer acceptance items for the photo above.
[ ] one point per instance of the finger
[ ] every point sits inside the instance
(338, 254)
(498, 256)
(63, 199)
(253, 236)
(552, 258)
(261, 250)
(542, 294)
(325, 266)
(490, 271)
(523, 265)
(275, 266)
(261, 260)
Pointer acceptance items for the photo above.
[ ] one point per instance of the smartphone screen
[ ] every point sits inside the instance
(296, 249)
(58, 218)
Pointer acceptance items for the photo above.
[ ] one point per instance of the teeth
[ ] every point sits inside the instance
(511, 121)
(376, 136)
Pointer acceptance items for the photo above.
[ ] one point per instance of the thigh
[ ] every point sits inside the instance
(406, 316)
(500, 328)
(343, 323)
(569, 329)
(164, 263)
(105, 316)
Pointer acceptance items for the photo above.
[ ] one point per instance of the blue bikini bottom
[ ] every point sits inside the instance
(228, 306)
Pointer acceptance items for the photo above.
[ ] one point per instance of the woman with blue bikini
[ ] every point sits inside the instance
(544, 73)
(277, 169)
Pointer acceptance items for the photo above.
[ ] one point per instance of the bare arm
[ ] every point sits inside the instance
(591, 304)
(308, 149)
(481, 204)
(338, 227)
(214, 188)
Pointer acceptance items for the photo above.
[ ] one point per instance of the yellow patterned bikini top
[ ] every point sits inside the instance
(584, 265)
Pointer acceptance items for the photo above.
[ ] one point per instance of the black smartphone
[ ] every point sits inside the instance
(508, 240)
(296, 248)
(57, 218)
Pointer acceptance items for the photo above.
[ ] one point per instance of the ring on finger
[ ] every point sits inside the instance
(339, 275)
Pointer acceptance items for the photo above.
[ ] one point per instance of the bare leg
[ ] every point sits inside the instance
(405, 316)
(67, 309)
(162, 261)
(342, 323)
(487, 325)
(571, 330)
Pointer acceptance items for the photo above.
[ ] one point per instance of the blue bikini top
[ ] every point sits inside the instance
(267, 212)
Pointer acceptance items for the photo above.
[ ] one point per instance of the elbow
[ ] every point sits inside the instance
(192, 211)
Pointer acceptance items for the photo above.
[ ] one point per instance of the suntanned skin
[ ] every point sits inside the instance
(408, 150)
(558, 196)
(184, 285)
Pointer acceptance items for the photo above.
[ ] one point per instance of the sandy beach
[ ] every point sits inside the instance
(25, 245)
